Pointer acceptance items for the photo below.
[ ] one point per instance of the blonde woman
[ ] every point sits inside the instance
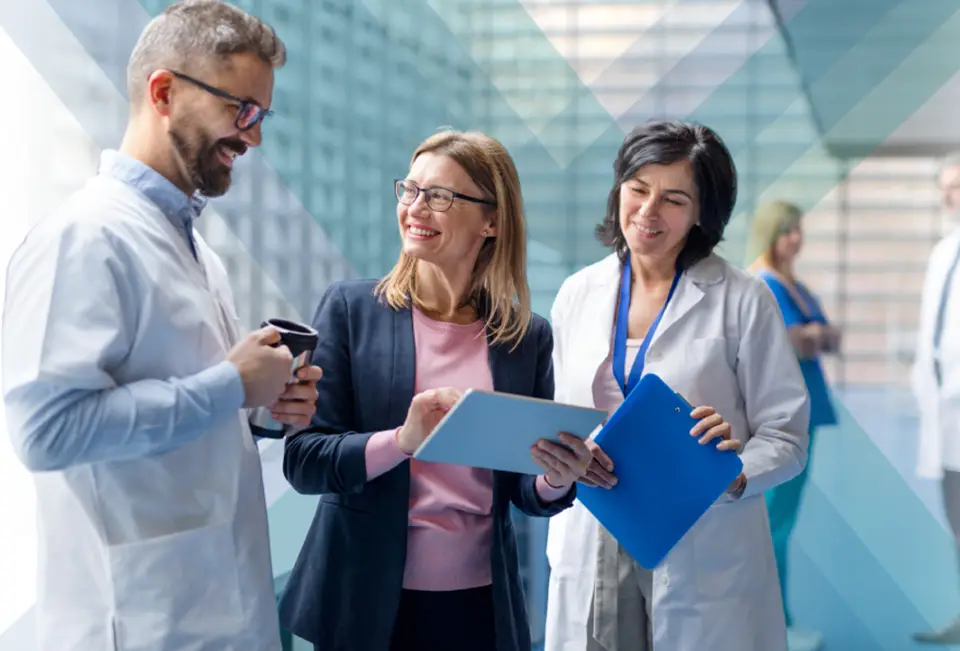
(405, 554)
(776, 241)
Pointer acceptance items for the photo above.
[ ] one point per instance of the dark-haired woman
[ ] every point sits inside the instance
(664, 303)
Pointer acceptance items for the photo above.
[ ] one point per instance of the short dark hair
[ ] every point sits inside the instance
(663, 142)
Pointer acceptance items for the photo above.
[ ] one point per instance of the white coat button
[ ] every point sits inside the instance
(665, 580)
(653, 357)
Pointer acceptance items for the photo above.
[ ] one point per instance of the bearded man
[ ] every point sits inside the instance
(127, 382)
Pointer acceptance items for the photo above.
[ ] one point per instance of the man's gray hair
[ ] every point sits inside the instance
(189, 34)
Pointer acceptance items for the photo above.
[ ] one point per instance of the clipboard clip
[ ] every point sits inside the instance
(685, 401)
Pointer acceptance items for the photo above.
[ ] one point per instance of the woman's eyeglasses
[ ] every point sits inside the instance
(438, 199)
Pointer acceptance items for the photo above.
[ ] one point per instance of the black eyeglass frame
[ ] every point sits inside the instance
(245, 104)
(429, 194)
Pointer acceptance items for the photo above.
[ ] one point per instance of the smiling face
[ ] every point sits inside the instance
(450, 239)
(658, 207)
(201, 125)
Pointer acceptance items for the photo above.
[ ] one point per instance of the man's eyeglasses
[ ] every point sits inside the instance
(438, 199)
(249, 113)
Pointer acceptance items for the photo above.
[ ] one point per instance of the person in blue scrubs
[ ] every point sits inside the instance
(777, 239)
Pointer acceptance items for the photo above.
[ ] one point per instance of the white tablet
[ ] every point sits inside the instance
(487, 429)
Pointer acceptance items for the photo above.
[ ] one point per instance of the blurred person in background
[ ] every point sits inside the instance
(402, 554)
(665, 303)
(126, 376)
(935, 376)
(776, 240)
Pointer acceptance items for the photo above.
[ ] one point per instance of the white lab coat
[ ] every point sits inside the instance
(722, 343)
(166, 552)
(938, 407)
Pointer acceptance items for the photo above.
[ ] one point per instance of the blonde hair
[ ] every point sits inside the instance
(770, 222)
(498, 286)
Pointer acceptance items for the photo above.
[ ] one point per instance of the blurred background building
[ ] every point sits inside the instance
(841, 106)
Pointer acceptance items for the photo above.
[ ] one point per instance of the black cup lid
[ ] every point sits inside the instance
(294, 333)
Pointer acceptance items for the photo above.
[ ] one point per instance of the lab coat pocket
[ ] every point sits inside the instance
(700, 372)
(731, 546)
(185, 583)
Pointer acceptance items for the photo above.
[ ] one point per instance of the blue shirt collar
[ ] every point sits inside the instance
(179, 208)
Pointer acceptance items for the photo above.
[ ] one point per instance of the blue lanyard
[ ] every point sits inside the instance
(620, 336)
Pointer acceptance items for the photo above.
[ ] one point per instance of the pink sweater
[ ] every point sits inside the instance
(450, 520)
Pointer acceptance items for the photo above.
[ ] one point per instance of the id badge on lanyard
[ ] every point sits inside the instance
(626, 384)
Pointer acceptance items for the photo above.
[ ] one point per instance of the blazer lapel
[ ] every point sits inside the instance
(501, 367)
(403, 375)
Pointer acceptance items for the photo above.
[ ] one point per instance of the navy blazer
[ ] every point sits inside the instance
(344, 590)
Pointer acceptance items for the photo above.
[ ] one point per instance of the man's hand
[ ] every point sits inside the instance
(264, 369)
(297, 404)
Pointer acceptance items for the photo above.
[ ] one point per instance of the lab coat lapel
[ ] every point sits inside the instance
(689, 293)
(227, 329)
(599, 310)
(686, 297)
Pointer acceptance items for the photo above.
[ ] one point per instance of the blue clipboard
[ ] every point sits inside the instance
(488, 429)
(667, 480)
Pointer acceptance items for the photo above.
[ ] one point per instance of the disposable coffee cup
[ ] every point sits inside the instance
(301, 340)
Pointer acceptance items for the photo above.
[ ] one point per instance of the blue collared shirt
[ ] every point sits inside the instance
(180, 209)
(71, 318)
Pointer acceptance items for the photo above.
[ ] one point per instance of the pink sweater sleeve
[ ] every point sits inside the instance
(383, 453)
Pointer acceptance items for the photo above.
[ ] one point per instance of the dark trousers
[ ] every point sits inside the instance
(461, 620)
(951, 501)
(440, 621)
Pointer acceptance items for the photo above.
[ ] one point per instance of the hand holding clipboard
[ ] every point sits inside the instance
(710, 425)
(666, 478)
